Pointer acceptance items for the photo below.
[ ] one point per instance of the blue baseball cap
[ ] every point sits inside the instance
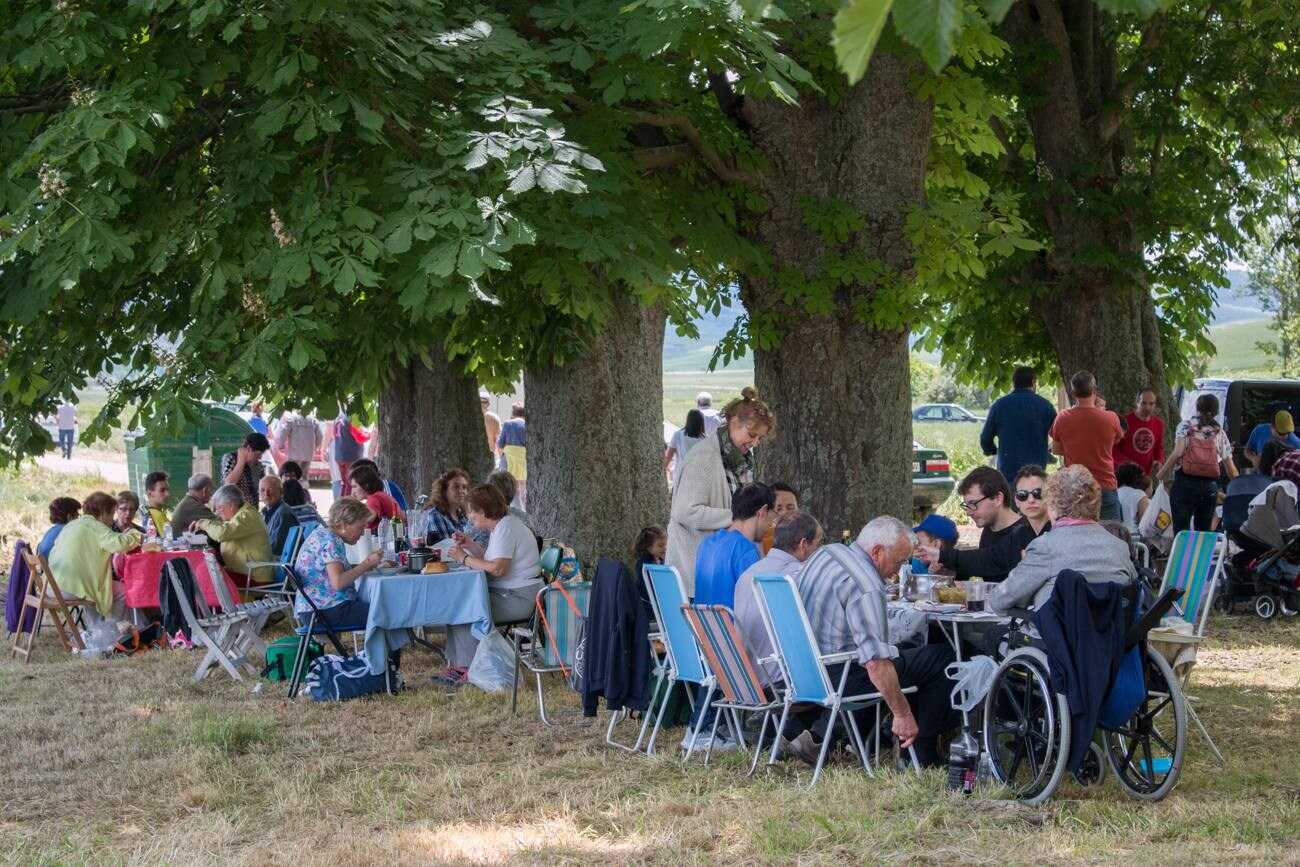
(939, 527)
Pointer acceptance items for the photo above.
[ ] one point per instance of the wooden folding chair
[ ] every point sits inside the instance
(43, 595)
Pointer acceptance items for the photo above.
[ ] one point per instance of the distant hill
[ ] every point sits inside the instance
(1234, 306)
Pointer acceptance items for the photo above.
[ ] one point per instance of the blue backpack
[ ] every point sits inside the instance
(339, 678)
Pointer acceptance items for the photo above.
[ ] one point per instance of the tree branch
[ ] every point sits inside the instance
(688, 131)
(649, 159)
(1109, 120)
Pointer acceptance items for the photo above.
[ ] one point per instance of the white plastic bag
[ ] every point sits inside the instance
(1158, 520)
(493, 668)
(99, 639)
(973, 677)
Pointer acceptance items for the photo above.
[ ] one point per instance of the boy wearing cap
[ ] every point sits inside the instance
(1282, 429)
(935, 531)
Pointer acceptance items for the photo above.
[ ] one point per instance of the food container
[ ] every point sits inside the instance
(416, 559)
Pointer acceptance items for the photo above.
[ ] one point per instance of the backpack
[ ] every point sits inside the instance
(1201, 458)
(339, 678)
(135, 641)
(281, 653)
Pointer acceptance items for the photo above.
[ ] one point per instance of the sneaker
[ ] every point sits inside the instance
(803, 748)
(720, 744)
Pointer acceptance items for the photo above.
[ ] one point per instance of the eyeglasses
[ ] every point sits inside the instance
(1023, 496)
(969, 506)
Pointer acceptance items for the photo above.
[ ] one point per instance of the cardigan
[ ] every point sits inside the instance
(243, 540)
(81, 556)
(1085, 548)
(701, 505)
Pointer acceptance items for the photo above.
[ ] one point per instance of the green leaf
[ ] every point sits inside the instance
(470, 263)
(996, 10)
(581, 59)
(306, 130)
(299, 356)
(442, 261)
(89, 159)
(857, 29)
(400, 240)
(346, 279)
(367, 117)
(930, 25)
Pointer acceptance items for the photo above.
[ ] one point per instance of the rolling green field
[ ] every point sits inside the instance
(1237, 348)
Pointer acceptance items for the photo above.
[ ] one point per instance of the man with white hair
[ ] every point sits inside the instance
(704, 403)
(194, 505)
(243, 537)
(843, 591)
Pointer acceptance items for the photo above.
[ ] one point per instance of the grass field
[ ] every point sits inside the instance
(130, 762)
(1237, 348)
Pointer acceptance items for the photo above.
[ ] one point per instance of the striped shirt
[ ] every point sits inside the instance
(845, 600)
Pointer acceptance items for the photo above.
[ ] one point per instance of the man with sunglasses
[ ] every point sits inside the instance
(986, 497)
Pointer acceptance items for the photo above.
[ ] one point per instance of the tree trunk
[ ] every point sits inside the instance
(430, 420)
(595, 437)
(837, 379)
(1099, 313)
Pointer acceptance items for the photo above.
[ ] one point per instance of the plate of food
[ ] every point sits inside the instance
(388, 567)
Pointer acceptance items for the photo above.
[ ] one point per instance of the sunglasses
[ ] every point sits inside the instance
(1023, 496)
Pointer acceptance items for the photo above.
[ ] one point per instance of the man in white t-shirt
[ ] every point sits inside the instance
(66, 418)
(704, 403)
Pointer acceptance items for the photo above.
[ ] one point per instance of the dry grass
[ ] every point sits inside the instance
(128, 761)
(25, 501)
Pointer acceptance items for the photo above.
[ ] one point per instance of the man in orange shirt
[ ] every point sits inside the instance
(1086, 434)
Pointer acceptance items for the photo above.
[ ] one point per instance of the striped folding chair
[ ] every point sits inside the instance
(732, 664)
(549, 643)
(803, 670)
(1196, 567)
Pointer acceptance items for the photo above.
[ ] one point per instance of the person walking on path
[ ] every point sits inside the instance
(66, 418)
(513, 442)
(1017, 425)
(1086, 434)
(347, 448)
(1144, 439)
(491, 425)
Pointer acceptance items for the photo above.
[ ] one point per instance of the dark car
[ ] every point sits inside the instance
(931, 479)
(944, 412)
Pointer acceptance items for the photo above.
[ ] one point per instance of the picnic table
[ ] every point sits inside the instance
(406, 600)
(142, 571)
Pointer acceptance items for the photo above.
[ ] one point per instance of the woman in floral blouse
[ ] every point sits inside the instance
(323, 569)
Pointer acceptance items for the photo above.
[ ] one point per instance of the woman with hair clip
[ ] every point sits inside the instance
(1200, 446)
(710, 474)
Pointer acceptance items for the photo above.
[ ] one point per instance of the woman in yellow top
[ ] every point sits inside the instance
(242, 535)
(81, 556)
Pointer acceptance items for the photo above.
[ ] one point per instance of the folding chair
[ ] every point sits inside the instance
(803, 669)
(548, 644)
(733, 665)
(276, 598)
(314, 626)
(1196, 567)
(683, 662)
(258, 611)
(44, 596)
(226, 636)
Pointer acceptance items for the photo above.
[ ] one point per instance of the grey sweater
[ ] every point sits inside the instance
(1085, 548)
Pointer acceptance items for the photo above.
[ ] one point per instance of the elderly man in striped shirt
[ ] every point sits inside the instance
(843, 591)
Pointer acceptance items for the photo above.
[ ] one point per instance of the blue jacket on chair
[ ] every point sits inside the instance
(618, 648)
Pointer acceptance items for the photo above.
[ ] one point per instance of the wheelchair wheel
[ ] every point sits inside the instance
(1026, 726)
(1093, 771)
(1146, 753)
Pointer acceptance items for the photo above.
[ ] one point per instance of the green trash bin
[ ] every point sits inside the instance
(198, 450)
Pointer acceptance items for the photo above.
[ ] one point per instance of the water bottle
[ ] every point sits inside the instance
(963, 759)
(386, 539)
(167, 536)
(984, 776)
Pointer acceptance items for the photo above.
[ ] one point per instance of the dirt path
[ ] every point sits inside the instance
(112, 471)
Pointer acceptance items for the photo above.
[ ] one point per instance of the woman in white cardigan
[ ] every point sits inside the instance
(709, 474)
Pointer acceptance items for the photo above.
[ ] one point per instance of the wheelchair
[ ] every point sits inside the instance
(1027, 726)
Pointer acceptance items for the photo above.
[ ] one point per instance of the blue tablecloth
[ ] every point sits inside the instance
(399, 602)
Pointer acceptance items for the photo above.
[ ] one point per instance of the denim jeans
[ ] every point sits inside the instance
(66, 438)
(1110, 510)
(1193, 498)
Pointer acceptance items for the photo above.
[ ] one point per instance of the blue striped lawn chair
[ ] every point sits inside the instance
(682, 662)
(549, 643)
(738, 674)
(803, 670)
(1196, 567)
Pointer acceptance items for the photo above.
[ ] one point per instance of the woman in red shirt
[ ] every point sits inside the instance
(367, 483)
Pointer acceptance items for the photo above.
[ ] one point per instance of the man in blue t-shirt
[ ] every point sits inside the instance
(1282, 429)
(721, 559)
(724, 555)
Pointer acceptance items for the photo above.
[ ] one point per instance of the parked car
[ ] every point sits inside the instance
(944, 412)
(1243, 404)
(931, 479)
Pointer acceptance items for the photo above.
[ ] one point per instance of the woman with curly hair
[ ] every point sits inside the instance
(450, 513)
(62, 510)
(710, 474)
(1076, 541)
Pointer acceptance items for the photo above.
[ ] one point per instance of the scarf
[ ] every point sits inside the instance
(738, 466)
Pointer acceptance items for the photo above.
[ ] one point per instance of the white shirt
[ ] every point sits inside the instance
(1128, 504)
(711, 421)
(514, 540)
(682, 443)
(66, 416)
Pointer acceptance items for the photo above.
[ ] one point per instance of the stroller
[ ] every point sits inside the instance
(1266, 571)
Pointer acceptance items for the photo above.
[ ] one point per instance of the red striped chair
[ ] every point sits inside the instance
(737, 672)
